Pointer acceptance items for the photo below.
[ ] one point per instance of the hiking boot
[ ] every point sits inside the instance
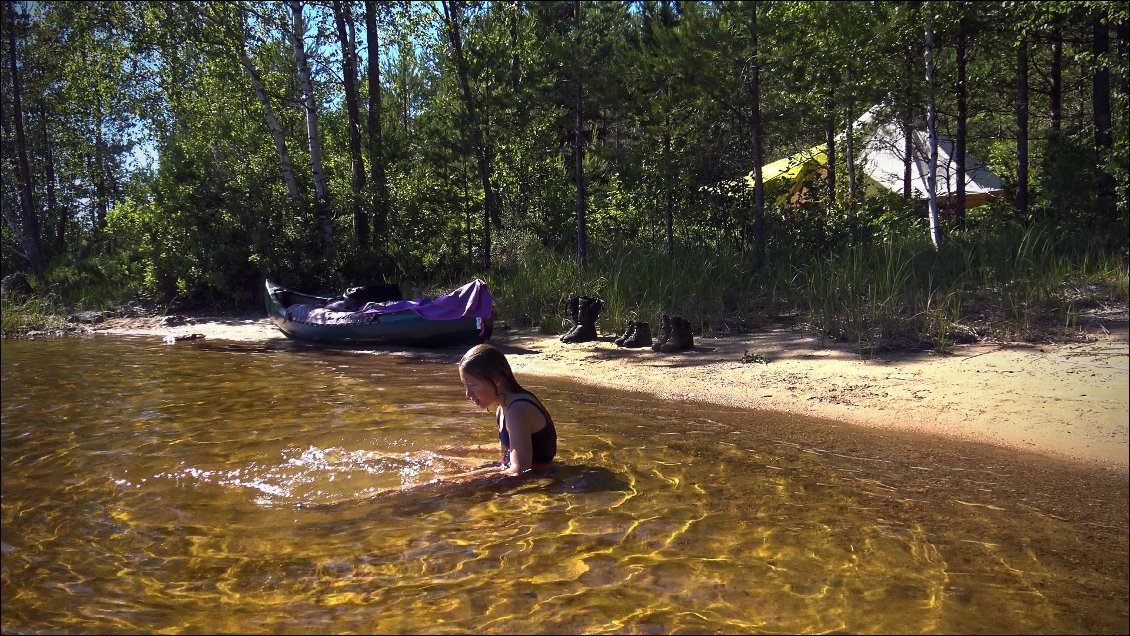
(686, 338)
(588, 321)
(587, 312)
(582, 308)
(572, 306)
(664, 333)
(681, 337)
(629, 328)
(641, 337)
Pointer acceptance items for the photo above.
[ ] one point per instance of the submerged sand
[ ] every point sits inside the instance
(1068, 400)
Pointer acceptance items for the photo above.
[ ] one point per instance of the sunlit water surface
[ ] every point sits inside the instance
(221, 487)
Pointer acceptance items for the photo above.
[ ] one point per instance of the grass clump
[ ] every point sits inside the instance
(20, 315)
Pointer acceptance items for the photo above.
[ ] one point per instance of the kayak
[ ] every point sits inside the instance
(464, 316)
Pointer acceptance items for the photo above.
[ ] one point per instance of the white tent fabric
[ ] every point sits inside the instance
(883, 150)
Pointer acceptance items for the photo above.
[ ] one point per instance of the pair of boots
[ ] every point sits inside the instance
(676, 335)
(583, 311)
(636, 334)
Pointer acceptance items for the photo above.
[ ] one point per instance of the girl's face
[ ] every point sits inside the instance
(480, 391)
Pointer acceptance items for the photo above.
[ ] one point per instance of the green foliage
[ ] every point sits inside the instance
(1071, 178)
(666, 120)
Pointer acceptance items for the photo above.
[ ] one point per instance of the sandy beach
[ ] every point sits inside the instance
(1067, 400)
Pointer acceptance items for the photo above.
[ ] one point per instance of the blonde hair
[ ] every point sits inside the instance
(487, 362)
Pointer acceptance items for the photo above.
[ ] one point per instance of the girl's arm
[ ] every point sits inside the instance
(488, 470)
(520, 420)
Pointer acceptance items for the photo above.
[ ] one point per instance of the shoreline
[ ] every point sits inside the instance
(1068, 401)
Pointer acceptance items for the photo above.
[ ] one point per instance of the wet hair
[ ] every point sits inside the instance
(487, 362)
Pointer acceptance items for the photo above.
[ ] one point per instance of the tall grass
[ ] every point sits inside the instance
(635, 283)
(20, 314)
(1012, 283)
(896, 292)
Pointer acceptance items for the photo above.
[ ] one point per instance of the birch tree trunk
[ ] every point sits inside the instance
(285, 164)
(908, 125)
(321, 193)
(932, 131)
(343, 18)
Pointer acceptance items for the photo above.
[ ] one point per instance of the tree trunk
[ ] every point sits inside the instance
(578, 137)
(1100, 93)
(29, 220)
(932, 131)
(1057, 80)
(522, 115)
(1122, 37)
(1104, 137)
(101, 198)
(467, 214)
(908, 127)
(343, 19)
(59, 241)
(1022, 128)
(830, 139)
(515, 61)
(321, 192)
(376, 143)
(758, 155)
(453, 12)
(850, 140)
(285, 165)
(962, 119)
(668, 172)
(404, 102)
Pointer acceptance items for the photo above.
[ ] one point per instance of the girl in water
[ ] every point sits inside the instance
(525, 432)
(525, 428)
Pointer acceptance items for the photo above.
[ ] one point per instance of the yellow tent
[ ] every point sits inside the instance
(790, 167)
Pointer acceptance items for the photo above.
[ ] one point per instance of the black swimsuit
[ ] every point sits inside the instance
(544, 442)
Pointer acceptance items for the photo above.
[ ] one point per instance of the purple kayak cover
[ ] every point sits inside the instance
(472, 300)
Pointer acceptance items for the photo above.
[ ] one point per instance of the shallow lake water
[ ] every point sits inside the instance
(212, 487)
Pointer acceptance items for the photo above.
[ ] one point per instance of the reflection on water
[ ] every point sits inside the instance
(235, 488)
